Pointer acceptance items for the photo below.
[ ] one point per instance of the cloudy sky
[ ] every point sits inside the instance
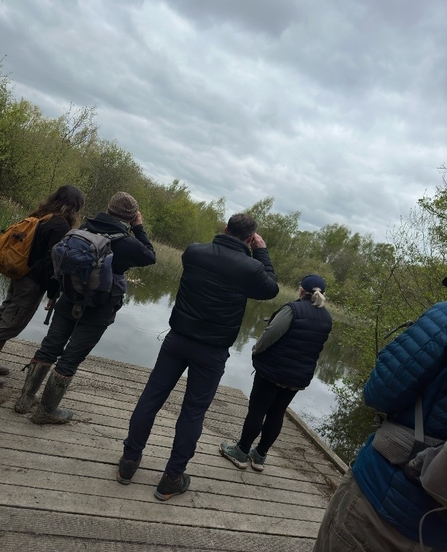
(337, 108)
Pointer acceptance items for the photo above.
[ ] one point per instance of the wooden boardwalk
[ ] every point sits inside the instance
(58, 489)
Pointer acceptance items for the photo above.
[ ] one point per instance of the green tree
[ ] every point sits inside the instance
(39, 154)
(107, 169)
(280, 233)
(393, 286)
(178, 220)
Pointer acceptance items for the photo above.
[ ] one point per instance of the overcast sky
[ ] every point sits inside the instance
(337, 108)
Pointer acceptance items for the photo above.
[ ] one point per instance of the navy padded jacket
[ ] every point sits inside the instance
(414, 363)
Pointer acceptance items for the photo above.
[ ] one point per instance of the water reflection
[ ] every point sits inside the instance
(142, 324)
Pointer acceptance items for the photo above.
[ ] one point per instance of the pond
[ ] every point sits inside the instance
(142, 323)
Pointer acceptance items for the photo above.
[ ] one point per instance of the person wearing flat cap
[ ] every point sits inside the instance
(71, 338)
(284, 358)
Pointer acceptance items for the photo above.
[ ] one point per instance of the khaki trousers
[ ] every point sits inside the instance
(19, 306)
(351, 524)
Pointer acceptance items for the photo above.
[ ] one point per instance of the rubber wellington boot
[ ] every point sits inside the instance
(47, 411)
(34, 378)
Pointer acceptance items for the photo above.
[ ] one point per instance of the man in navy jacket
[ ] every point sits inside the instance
(217, 279)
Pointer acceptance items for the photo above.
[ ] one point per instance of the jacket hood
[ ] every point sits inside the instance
(104, 223)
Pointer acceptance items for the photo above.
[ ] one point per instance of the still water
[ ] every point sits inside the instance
(142, 323)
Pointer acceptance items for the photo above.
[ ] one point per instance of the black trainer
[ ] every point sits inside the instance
(168, 487)
(126, 470)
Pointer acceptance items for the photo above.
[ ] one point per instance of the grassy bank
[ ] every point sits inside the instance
(9, 212)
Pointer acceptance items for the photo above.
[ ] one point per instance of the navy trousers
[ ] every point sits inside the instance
(206, 365)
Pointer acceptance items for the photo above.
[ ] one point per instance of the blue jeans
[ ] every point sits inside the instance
(206, 365)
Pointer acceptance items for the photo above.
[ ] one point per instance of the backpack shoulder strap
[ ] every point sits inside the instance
(114, 237)
(111, 237)
(419, 420)
(46, 218)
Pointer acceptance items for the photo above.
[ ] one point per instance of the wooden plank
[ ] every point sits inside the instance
(156, 455)
(165, 423)
(159, 446)
(82, 533)
(211, 497)
(88, 391)
(149, 477)
(222, 473)
(176, 513)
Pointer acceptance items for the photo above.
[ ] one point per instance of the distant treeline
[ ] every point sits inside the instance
(377, 286)
(38, 154)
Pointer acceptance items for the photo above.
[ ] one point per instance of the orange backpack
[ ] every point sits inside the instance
(15, 246)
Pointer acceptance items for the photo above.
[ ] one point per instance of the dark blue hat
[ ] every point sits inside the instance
(312, 281)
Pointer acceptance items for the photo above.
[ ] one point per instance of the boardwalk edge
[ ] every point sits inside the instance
(318, 441)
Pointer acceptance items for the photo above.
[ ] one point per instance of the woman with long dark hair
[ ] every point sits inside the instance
(61, 210)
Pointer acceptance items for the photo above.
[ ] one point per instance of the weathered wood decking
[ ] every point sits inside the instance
(58, 489)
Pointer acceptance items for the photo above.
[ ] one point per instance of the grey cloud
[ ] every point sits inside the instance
(337, 109)
(256, 15)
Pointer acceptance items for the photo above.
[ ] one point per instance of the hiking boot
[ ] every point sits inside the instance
(257, 461)
(48, 412)
(37, 372)
(126, 470)
(167, 488)
(234, 454)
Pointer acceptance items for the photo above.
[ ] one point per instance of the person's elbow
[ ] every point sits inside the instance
(273, 291)
(148, 259)
(267, 291)
(372, 396)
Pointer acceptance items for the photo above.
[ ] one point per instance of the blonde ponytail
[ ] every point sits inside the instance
(318, 298)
